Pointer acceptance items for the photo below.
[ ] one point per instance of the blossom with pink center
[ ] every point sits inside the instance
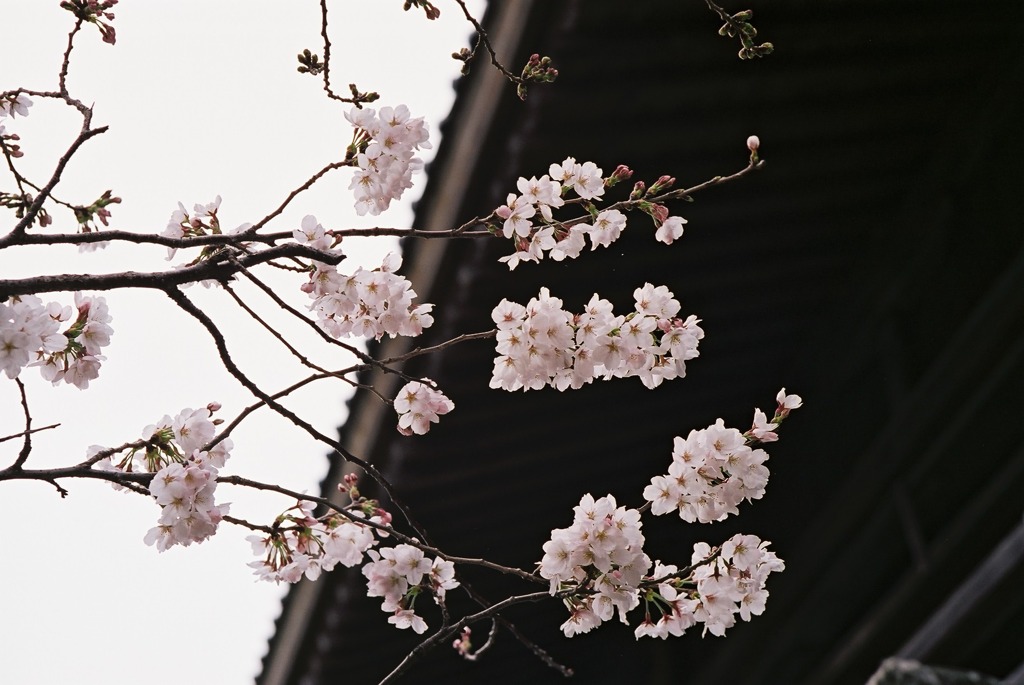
(418, 405)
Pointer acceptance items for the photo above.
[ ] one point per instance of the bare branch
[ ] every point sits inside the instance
(482, 38)
(217, 268)
(446, 634)
(295, 193)
(33, 210)
(26, 445)
(66, 63)
(185, 304)
(34, 430)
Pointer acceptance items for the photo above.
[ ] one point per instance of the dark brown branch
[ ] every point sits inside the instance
(298, 315)
(34, 430)
(295, 193)
(276, 334)
(382, 365)
(216, 269)
(150, 238)
(445, 634)
(188, 307)
(26, 445)
(327, 54)
(251, 526)
(400, 537)
(52, 475)
(37, 204)
(481, 36)
(66, 63)
(436, 348)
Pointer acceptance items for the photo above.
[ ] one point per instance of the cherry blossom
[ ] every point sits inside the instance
(419, 404)
(607, 228)
(384, 148)
(29, 337)
(184, 475)
(517, 212)
(367, 304)
(542, 344)
(670, 230)
(399, 574)
(585, 179)
(14, 105)
(787, 403)
(565, 239)
(304, 546)
(712, 471)
(599, 568)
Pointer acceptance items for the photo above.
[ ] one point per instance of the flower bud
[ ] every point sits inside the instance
(621, 173)
(753, 142)
(662, 184)
(638, 190)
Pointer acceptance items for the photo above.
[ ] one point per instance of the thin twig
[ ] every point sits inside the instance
(33, 210)
(445, 634)
(482, 37)
(26, 446)
(66, 63)
(275, 333)
(295, 193)
(327, 54)
(190, 308)
(34, 430)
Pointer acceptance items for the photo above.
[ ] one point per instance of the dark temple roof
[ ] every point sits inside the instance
(875, 267)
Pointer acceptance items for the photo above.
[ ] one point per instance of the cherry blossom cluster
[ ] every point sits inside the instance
(182, 225)
(176, 450)
(566, 239)
(715, 468)
(202, 221)
(400, 574)
(367, 304)
(185, 493)
(29, 336)
(723, 582)
(418, 405)
(301, 545)
(310, 546)
(598, 567)
(599, 561)
(384, 147)
(542, 344)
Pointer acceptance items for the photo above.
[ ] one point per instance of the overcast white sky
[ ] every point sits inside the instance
(202, 99)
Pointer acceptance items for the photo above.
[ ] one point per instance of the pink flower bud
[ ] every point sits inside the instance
(753, 142)
(659, 213)
(621, 173)
(662, 184)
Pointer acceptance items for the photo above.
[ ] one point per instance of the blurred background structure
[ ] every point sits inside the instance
(875, 267)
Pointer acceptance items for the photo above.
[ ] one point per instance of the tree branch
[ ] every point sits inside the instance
(217, 268)
(446, 634)
(37, 203)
